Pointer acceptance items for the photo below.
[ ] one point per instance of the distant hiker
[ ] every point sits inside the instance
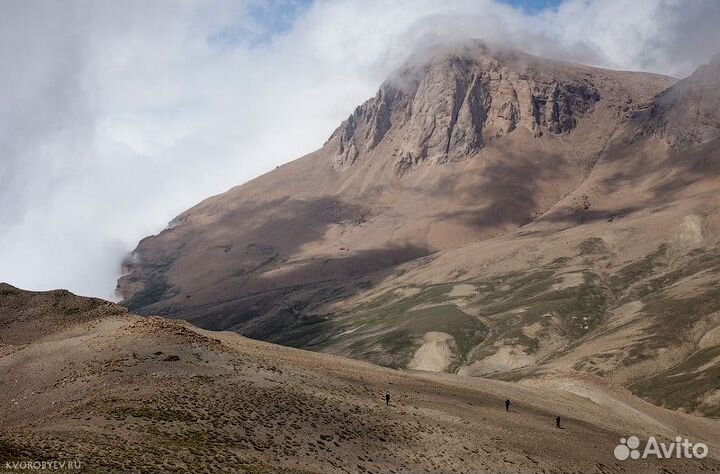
(387, 399)
(507, 405)
(557, 421)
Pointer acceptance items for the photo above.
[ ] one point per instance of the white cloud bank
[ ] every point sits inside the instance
(117, 116)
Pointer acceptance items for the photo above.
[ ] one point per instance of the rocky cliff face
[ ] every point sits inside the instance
(449, 108)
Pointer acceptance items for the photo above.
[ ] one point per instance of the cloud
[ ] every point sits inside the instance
(117, 116)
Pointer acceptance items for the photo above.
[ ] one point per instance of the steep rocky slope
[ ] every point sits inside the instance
(83, 380)
(488, 213)
(456, 147)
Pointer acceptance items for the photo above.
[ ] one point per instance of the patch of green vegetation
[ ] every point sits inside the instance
(698, 261)
(313, 337)
(426, 294)
(674, 317)
(389, 329)
(604, 355)
(533, 297)
(593, 245)
(559, 262)
(585, 310)
(404, 332)
(398, 347)
(514, 287)
(635, 271)
(683, 386)
(467, 330)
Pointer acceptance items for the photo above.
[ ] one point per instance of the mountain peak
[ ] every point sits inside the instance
(460, 146)
(449, 103)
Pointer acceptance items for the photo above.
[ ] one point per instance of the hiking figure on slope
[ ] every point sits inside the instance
(387, 399)
(507, 405)
(557, 421)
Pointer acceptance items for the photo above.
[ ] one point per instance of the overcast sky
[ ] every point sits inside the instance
(117, 116)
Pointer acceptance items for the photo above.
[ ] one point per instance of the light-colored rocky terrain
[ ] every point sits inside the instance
(84, 380)
(487, 213)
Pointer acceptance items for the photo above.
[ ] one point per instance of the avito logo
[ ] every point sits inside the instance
(629, 448)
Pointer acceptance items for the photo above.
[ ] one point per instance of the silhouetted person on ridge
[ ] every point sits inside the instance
(507, 405)
(557, 421)
(387, 399)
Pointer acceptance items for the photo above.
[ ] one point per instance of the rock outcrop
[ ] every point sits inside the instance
(448, 109)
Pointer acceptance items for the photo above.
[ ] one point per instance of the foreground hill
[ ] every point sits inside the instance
(85, 380)
(487, 213)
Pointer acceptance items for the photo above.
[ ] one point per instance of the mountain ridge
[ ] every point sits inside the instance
(492, 213)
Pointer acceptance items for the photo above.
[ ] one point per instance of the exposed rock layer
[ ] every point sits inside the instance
(460, 103)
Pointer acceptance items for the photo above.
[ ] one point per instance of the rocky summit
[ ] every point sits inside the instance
(487, 213)
(450, 107)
